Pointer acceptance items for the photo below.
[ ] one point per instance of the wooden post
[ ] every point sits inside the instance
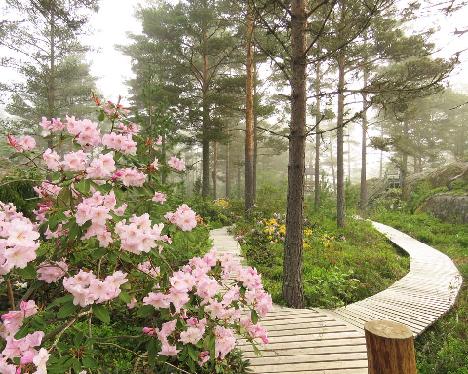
(390, 348)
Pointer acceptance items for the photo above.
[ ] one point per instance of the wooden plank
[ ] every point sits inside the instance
(337, 342)
(318, 366)
(312, 359)
(359, 347)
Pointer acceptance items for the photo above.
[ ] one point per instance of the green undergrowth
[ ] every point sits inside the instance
(340, 266)
(443, 348)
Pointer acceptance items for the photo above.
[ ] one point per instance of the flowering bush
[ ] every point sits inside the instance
(113, 252)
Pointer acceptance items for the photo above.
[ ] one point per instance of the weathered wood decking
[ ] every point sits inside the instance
(332, 341)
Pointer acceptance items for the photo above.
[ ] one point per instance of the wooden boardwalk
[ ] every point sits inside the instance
(332, 341)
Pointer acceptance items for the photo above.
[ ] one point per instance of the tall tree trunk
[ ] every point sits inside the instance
(381, 156)
(318, 118)
(51, 86)
(228, 169)
(293, 293)
(239, 170)
(214, 172)
(348, 151)
(404, 163)
(255, 120)
(249, 114)
(340, 192)
(206, 122)
(332, 162)
(363, 190)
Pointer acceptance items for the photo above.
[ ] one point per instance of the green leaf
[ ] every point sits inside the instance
(145, 311)
(78, 338)
(101, 312)
(125, 297)
(89, 362)
(66, 310)
(83, 186)
(101, 116)
(60, 301)
(192, 353)
(254, 317)
(29, 272)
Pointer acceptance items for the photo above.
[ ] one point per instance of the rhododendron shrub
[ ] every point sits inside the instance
(112, 252)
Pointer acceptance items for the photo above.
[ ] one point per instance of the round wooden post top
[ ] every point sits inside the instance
(388, 329)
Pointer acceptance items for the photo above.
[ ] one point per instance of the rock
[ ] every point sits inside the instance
(447, 207)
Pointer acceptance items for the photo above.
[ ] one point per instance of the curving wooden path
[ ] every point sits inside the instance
(332, 341)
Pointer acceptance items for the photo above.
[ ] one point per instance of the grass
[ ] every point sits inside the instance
(339, 267)
(443, 348)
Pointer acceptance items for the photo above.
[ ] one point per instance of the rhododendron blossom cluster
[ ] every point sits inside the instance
(206, 279)
(18, 239)
(109, 250)
(87, 289)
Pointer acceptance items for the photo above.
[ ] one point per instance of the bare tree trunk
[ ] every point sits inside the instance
(51, 86)
(228, 169)
(249, 114)
(340, 192)
(293, 293)
(332, 162)
(214, 172)
(255, 120)
(348, 150)
(318, 118)
(206, 123)
(363, 191)
(404, 163)
(381, 156)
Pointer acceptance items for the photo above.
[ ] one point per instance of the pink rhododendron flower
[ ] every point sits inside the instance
(40, 360)
(22, 143)
(159, 197)
(225, 341)
(23, 348)
(52, 159)
(147, 268)
(86, 132)
(159, 140)
(47, 189)
(203, 358)
(184, 217)
(120, 142)
(176, 163)
(75, 161)
(130, 177)
(87, 289)
(52, 272)
(101, 167)
(12, 321)
(139, 235)
(18, 239)
(155, 164)
(48, 127)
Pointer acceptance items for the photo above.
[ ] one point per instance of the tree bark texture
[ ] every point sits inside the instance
(318, 118)
(228, 170)
(214, 172)
(249, 114)
(293, 293)
(205, 123)
(340, 192)
(404, 163)
(363, 190)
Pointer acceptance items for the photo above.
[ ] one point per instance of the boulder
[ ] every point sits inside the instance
(447, 207)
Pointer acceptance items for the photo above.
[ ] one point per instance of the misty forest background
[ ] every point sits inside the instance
(279, 109)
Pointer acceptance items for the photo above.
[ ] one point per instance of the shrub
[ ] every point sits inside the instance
(104, 274)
